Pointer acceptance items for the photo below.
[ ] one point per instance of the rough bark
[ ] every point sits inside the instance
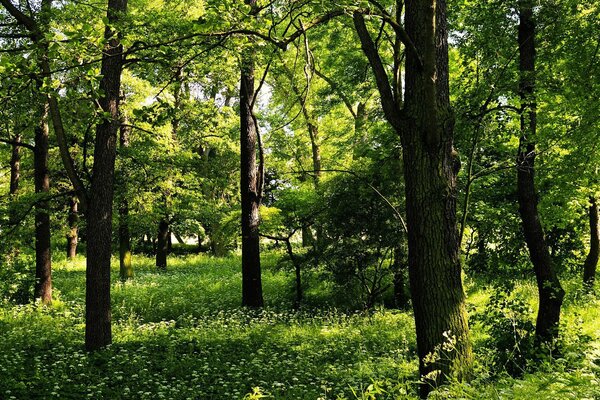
(550, 291)
(15, 165)
(591, 261)
(98, 312)
(430, 185)
(43, 262)
(72, 235)
(250, 187)
(162, 247)
(425, 126)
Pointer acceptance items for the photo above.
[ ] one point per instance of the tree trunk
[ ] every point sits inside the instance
(99, 224)
(400, 284)
(591, 262)
(125, 265)
(15, 166)
(550, 291)
(297, 270)
(162, 247)
(425, 125)
(72, 236)
(250, 187)
(43, 261)
(360, 131)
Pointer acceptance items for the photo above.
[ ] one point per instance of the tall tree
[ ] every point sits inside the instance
(43, 261)
(43, 285)
(550, 291)
(425, 126)
(125, 266)
(99, 220)
(250, 184)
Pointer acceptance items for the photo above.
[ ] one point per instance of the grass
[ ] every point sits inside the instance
(182, 335)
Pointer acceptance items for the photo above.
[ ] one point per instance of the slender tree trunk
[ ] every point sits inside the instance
(72, 236)
(550, 291)
(162, 247)
(591, 261)
(98, 312)
(425, 125)
(360, 130)
(250, 187)
(178, 238)
(400, 284)
(125, 264)
(43, 261)
(15, 165)
(298, 272)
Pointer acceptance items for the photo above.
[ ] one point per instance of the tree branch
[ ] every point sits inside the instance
(390, 107)
(20, 144)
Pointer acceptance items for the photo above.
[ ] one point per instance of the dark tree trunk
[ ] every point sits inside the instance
(43, 262)
(425, 125)
(99, 223)
(178, 238)
(15, 165)
(400, 283)
(550, 291)
(591, 261)
(125, 265)
(162, 247)
(72, 236)
(250, 187)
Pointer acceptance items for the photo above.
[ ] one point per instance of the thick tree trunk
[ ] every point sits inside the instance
(425, 125)
(15, 165)
(125, 264)
(591, 261)
(72, 236)
(550, 291)
(43, 262)
(250, 188)
(99, 224)
(162, 247)
(430, 185)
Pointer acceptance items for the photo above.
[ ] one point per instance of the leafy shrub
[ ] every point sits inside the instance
(508, 321)
(17, 278)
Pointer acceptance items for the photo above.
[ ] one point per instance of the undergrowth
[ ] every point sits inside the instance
(182, 335)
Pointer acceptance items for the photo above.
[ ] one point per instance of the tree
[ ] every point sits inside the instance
(424, 122)
(99, 219)
(43, 261)
(250, 182)
(550, 291)
(43, 271)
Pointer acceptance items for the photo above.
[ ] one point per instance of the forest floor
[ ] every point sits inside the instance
(182, 335)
